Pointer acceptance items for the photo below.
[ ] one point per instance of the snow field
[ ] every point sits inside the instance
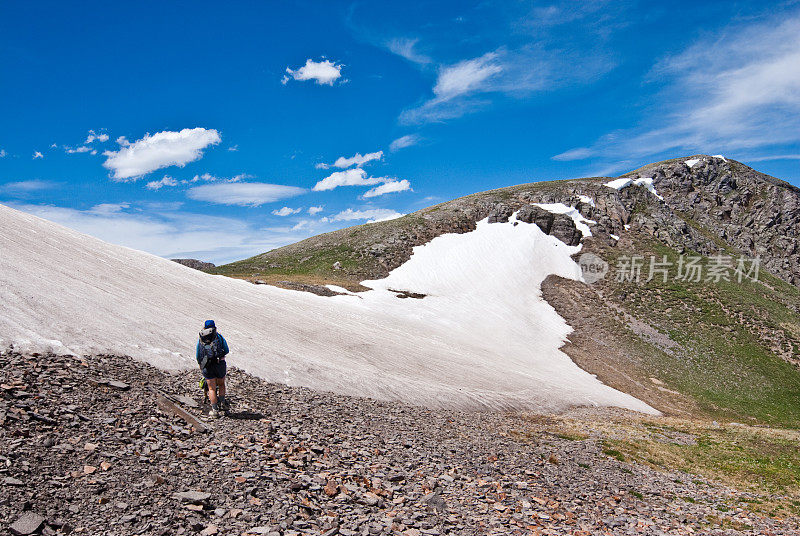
(482, 338)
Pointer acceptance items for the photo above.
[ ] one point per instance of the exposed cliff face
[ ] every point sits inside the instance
(751, 212)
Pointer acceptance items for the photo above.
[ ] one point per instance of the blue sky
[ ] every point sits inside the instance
(221, 130)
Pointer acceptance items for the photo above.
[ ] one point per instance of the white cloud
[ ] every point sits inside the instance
(315, 210)
(404, 141)
(286, 211)
(3, 153)
(323, 72)
(208, 177)
(242, 193)
(159, 150)
(579, 153)
(81, 149)
(735, 90)
(37, 154)
(92, 137)
(358, 159)
(405, 48)
(349, 177)
(322, 165)
(372, 215)
(772, 157)
(453, 85)
(166, 181)
(109, 208)
(164, 231)
(234, 148)
(24, 187)
(466, 76)
(388, 187)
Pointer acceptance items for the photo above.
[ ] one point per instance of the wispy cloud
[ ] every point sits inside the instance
(157, 151)
(771, 157)
(37, 154)
(736, 90)
(104, 209)
(324, 72)
(251, 194)
(26, 187)
(458, 80)
(372, 215)
(166, 231)
(407, 48)
(287, 211)
(404, 141)
(315, 210)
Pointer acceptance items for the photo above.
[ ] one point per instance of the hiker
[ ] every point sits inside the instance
(211, 351)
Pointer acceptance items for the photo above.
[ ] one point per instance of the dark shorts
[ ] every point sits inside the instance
(215, 371)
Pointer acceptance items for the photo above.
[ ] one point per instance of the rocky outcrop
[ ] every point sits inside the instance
(757, 214)
(194, 263)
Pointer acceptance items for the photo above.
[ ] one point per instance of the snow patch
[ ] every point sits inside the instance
(483, 337)
(586, 199)
(691, 163)
(615, 237)
(647, 182)
(721, 157)
(581, 223)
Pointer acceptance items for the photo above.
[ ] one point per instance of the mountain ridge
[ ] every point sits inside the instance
(372, 250)
(721, 349)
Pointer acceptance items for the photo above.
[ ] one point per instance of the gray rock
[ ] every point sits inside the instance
(116, 384)
(27, 523)
(187, 401)
(193, 497)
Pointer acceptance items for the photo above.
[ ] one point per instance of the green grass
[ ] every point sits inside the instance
(723, 363)
(760, 460)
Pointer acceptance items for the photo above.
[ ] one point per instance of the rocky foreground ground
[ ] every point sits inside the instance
(85, 449)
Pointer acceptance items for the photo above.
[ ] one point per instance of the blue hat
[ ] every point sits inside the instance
(209, 324)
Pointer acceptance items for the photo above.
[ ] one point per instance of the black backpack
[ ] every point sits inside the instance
(210, 353)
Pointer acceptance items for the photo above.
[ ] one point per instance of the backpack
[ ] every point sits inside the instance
(211, 353)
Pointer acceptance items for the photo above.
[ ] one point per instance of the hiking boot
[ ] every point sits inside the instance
(224, 405)
(215, 413)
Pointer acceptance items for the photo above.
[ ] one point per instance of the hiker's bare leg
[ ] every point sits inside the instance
(221, 384)
(212, 390)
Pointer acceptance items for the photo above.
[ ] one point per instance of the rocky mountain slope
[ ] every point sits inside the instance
(86, 450)
(718, 346)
